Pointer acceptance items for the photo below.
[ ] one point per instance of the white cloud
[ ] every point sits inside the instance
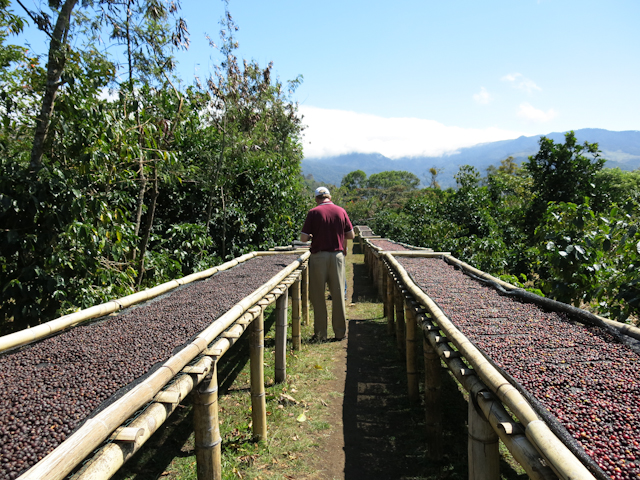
(483, 97)
(529, 112)
(520, 82)
(336, 132)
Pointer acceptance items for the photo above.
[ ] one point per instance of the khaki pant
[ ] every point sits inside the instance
(327, 267)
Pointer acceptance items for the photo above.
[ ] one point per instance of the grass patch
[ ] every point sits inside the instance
(293, 426)
(384, 435)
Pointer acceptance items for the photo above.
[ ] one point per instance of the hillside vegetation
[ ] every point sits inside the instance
(560, 225)
(103, 195)
(100, 197)
(621, 149)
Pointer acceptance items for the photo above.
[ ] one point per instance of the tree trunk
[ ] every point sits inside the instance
(149, 226)
(224, 224)
(55, 66)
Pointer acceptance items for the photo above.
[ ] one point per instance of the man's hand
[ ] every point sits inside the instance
(305, 237)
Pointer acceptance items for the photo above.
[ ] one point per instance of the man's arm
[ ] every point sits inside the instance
(304, 237)
(350, 235)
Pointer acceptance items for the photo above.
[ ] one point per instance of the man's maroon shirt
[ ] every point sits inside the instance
(327, 223)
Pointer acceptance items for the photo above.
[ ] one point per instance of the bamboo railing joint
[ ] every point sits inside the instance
(194, 370)
(168, 396)
(127, 434)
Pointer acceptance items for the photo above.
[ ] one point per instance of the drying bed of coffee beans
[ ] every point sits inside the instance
(388, 245)
(51, 387)
(579, 373)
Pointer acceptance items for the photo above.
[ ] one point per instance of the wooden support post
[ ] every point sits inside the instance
(207, 429)
(281, 338)
(385, 279)
(258, 401)
(399, 305)
(432, 400)
(295, 315)
(411, 353)
(390, 305)
(305, 294)
(484, 457)
(380, 275)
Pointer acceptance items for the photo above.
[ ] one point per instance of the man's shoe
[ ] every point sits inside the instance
(315, 339)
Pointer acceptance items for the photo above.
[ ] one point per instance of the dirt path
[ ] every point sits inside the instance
(377, 433)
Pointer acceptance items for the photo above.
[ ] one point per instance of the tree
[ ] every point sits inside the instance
(561, 173)
(355, 179)
(467, 177)
(433, 171)
(507, 166)
(393, 178)
(58, 53)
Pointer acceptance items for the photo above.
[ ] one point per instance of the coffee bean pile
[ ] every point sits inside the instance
(579, 373)
(389, 246)
(51, 387)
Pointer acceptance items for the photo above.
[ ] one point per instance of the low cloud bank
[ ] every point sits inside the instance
(336, 132)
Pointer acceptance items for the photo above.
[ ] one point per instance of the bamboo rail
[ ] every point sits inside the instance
(258, 399)
(61, 461)
(552, 450)
(29, 335)
(622, 328)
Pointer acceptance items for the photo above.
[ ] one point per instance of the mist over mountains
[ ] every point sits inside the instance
(620, 149)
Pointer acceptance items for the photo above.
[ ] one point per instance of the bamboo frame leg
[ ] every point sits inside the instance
(385, 279)
(295, 315)
(484, 457)
(399, 306)
(411, 353)
(207, 429)
(281, 338)
(258, 401)
(432, 400)
(391, 328)
(380, 275)
(304, 287)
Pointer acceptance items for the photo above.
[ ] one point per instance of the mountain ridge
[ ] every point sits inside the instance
(620, 149)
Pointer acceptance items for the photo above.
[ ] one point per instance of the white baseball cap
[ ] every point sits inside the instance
(320, 191)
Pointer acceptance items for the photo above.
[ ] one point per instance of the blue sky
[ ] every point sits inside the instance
(420, 77)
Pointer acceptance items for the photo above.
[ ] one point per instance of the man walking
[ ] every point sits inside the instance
(328, 227)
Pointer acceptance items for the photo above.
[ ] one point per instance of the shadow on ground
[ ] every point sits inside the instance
(384, 434)
(152, 462)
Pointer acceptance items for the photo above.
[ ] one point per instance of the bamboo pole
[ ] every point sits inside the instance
(432, 400)
(280, 372)
(110, 458)
(258, 400)
(511, 433)
(400, 320)
(208, 442)
(411, 353)
(78, 446)
(380, 278)
(623, 328)
(390, 303)
(484, 457)
(570, 465)
(108, 461)
(305, 293)
(383, 293)
(295, 315)
(38, 332)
